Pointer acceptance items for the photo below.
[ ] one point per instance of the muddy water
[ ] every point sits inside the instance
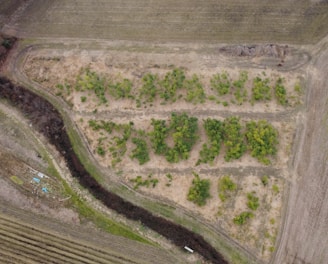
(48, 121)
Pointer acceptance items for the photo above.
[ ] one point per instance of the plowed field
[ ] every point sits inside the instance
(26, 238)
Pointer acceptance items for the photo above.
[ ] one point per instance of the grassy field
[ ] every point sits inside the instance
(183, 21)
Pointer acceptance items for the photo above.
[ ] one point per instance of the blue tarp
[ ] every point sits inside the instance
(37, 180)
(45, 190)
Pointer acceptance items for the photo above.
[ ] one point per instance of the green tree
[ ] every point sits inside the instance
(184, 132)
(158, 136)
(149, 87)
(262, 140)
(214, 132)
(141, 152)
(242, 218)
(221, 83)
(195, 90)
(199, 191)
(226, 186)
(280, 92)
(261, 89)
(172, 82)
(233, 138)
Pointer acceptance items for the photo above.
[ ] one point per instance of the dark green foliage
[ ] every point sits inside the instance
(214, 132)
(195, 90)
(139, 181)
(262, 140)
(172, 82)
(280, 92)
(253, 201)
(184, 132)
(83, 99)
(158, 136)
(221, 83)
(199, 192)
(226, 186)
(101, 151)
(120, 90)
(141, 151)
(243, 218)
(233, 138)
(261, 90)
(149, 87)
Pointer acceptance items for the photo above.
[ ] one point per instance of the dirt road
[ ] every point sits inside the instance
(304, 239)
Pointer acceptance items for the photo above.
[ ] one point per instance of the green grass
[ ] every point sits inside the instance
(17, 180)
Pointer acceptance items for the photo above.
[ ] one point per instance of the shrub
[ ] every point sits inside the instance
(265, 180)
(139, 181)
(253, 201)
(225, 186)
(158, 136)
(101, 151)
(233, 138)
(172, 82)
(199, 192)
(149, 87)
(243, 218)
(195, 90)
(239, 87)
(221, 83)
(141, 151)
(280, 92)
(262, 140)
(120, 90)
(184, 132)
(214, 132)
(90, 80)
(261, 89)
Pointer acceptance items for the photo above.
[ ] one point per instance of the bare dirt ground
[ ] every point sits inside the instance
(227, 21)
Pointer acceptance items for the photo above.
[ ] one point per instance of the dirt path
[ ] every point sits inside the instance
(304, 239)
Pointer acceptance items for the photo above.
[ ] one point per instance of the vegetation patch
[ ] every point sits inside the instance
(226, 186)
(243, 218)
(262, 140)
(199, 191)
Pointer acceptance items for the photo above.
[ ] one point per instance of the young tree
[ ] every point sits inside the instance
(199, 191)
